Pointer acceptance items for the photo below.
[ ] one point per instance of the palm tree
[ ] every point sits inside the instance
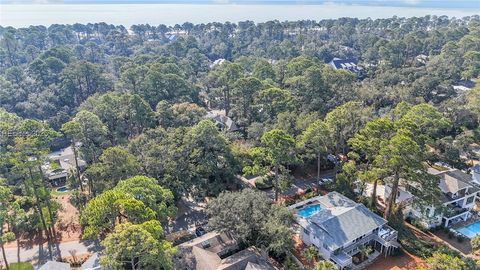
(310, 253)
(365, 251)
(475, 242)
(325, 265)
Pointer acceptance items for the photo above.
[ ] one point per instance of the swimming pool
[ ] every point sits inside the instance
(470, 230)
(309, 210)
(63, 189)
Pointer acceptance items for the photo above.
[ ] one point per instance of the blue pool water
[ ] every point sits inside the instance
(470, 230)
(62, 189)
(309, 210)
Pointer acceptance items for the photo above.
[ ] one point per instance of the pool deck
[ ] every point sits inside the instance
(473, 219)
(301, 204)
(462, 224)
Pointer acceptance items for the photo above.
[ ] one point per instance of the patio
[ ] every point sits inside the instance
(361, 264)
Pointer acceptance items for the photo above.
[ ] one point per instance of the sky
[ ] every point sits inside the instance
(392, 3)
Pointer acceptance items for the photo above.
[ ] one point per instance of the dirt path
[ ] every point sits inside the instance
(68, 223)
(67, 226)
(406, 261)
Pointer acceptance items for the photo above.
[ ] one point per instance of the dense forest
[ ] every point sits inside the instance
(134, 102)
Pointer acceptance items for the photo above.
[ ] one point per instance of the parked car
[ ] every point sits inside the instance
(199, 231)
(324, 181)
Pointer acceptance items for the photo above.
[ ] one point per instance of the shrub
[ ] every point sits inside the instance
(460, 238)
(290, 264)
(264, 182)
(410, 241)
(419, 225)
(437, 228)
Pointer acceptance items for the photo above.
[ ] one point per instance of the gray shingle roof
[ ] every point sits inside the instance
(256, 266)
(206, 260)
(240, 260)
(341, 220)
(476, 168)
(337, 62)
(201, 259)
(350, 225)
(453, 181)
(346, 64)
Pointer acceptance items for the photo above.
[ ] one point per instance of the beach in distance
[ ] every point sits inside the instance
(24, 15)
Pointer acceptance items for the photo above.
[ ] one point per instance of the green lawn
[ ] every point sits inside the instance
(21, 266)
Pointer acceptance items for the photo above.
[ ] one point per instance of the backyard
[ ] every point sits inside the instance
(405, 261)
(68, 225)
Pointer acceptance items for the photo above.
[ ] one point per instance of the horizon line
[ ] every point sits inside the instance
(460, 4)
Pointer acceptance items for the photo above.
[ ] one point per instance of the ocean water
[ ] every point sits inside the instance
(23, 15)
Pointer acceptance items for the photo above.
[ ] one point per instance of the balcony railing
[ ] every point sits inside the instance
(342, 259)
(384, 236)
(388, 234)
(456, 211)
(358, 243)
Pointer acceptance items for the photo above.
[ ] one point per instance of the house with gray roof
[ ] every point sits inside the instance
(350, 64)
(464, 85)
(222, 121)
(459, 192)
(341, 228)
(61, 164)
(218, 251)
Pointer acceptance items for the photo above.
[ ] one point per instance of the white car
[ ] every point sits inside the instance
(325, 180)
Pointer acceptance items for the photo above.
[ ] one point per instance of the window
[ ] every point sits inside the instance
(470, 199)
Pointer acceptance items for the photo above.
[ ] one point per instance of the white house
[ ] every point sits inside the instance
(340, 228)
(222, 121)
(457, 200)
(350, 64)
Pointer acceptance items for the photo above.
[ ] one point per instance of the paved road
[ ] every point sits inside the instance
(39, 253)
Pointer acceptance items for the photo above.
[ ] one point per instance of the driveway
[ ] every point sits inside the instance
(190, 215)
(39, 253)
